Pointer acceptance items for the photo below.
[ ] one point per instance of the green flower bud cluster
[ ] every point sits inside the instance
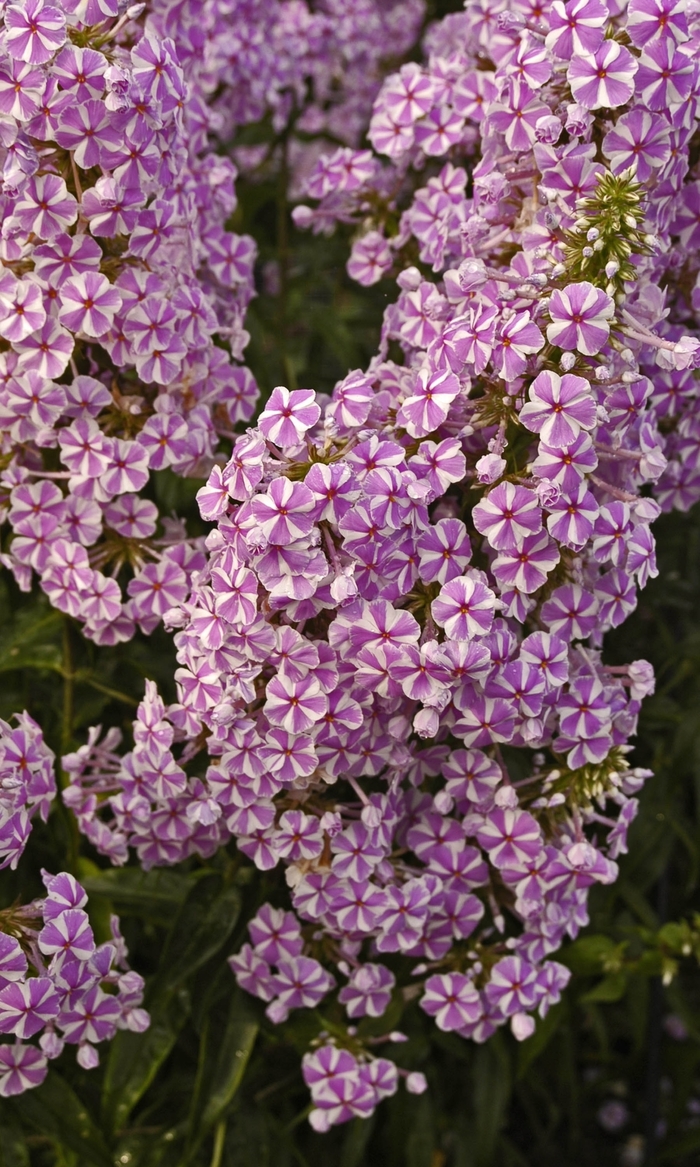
(608, 233)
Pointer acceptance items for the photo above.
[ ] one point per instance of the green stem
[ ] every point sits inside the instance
(298, 1118)
(73, 846)
(219, 1138)
(116, 694)
(283, 258)
(68, 690)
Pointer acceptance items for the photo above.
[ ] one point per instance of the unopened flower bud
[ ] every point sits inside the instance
(548, 492)
(472, 274)
(137, 1020)
(371, 816)
(276, 1012)
(410, 279)
(51, 1044)
(426, 722)
(548, 129)
(522, 1026)
(343, 588)
(443, 802)
(506, 797)
(510, 21)
(416, 1083)
(331, 823)
(87, 1056)
(302, 217)
(490, 467)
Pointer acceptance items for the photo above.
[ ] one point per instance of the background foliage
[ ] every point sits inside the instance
(613, 1074)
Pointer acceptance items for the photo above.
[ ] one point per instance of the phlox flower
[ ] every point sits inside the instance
(507, 514)
(35, 31)
(580, 315)
(287, 416)
(428, 406)
(559, 408)
(452, 999)
(89, 304)
(465, 607)
(604, 77)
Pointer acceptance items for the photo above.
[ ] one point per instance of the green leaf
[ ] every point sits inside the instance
(54, 1110)
(230, 1050)
(420, 1146)
(545, 1029)
(203, 924)
(149, 1149)
(675, 934)
(174, 493)
(611, 988)
(650, 963)
(13, 1148)
(637, 901)
(355, 1143)
(679, 1148)
(32, 640)
(152, 894)
(251, 1140)
(201, 927)
(587, 954)
(135, 1058)
(491, 1095)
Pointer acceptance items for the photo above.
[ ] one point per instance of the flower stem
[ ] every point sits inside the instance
(67, 719)
(73, 845)
(283, 259)
(219, 1139)
(115, 694)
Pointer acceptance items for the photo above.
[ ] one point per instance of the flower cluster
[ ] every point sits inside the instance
(122, 300)
(314, 68)
(344, 1086)
(145, 798)
(390, 646)
(27, 785)
(395, 649)
(57, 982)
(363, 641)
(544, 115)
